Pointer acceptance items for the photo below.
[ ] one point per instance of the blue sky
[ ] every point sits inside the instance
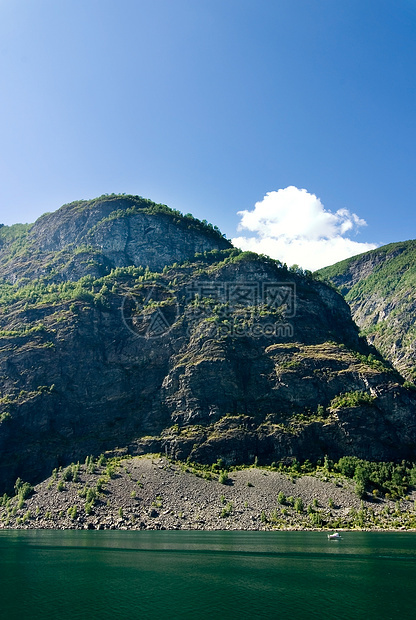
(208, 106)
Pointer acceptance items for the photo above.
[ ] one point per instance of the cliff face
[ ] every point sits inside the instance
(226, 355)
(92, 237)
(380, 289)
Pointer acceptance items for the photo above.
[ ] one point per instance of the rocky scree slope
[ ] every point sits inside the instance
(154, 493)
(227, 354)
(380, 287)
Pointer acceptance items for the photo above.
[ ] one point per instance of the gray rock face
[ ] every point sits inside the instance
(229, 355)
(92, 237)
(149, 241)
(71, 224)
(86, 383)
(380, 289)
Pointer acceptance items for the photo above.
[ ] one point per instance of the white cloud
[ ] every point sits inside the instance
(293, 226)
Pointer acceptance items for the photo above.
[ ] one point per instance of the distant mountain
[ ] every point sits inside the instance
(127, 325)
(380, 287)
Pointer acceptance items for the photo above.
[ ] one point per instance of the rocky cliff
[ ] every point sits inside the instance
(140, 329)
(92, 237)
(380, 289)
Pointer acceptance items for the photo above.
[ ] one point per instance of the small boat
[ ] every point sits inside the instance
(334, 536)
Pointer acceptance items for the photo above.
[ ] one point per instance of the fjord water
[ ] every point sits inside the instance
(71, 575)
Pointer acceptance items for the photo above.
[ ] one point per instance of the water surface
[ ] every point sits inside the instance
(88, 575)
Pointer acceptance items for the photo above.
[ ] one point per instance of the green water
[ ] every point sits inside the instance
(128, 575)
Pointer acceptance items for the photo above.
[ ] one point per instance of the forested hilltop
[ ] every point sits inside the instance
(90, 237)
(380, 287)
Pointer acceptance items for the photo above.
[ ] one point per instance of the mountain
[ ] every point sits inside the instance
(380, 287)
(89, 238)
(130, 328)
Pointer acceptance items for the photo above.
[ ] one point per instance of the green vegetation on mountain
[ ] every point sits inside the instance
(124, 324)
(380, 287)
(144, 205)
(94, 236)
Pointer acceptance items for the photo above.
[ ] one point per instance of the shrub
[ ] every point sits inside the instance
(223, 477)
(360, 489)
(90, 465)
(298, 505)
(110, 470)
(100, 484)
(226, 511)
(274, 517)
(281, 498)
(352, 399)
(346, 465)
(67, 474)
(23, 489)
(91, 496)
(75, 472)
(218, 466)
(72, 512)
(316, 518)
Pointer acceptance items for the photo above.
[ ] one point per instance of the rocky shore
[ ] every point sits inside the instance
(151, 492)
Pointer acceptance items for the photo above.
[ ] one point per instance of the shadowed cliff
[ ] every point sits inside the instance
(127, 325)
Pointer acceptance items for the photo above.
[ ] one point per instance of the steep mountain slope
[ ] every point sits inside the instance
(90, 237)
(227, 354)
(380, 287)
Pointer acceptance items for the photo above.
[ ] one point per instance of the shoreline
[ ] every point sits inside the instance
(162, 529)
(153, 493)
